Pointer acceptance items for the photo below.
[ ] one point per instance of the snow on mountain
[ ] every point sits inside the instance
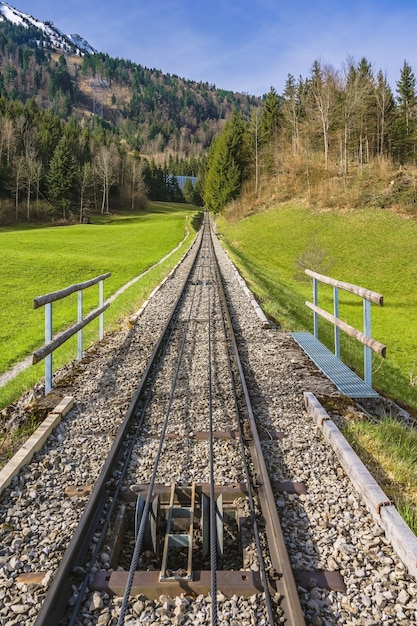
(67, 43)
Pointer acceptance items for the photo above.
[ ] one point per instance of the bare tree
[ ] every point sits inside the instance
(7, 138)
(292, 109)
(139, 188)
(86, 177)
(30, 170)
(16, 181)
(254, 133)
(105, 162)
(323, 88)
(385, 106)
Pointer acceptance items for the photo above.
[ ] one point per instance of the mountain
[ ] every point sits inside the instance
(70, 44)
(154, 112)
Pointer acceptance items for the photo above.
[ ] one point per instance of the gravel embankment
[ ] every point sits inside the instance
(328, 528)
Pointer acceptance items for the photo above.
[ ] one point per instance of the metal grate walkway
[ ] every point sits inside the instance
(346, 381)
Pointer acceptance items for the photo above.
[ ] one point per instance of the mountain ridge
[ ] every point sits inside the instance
(71, 44)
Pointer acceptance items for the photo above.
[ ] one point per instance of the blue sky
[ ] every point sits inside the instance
(242, 45)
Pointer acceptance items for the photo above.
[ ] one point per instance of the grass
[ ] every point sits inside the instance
(36, 261)
(372, 248)
(390, 451)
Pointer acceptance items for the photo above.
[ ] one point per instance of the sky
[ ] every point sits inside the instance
(242, 45)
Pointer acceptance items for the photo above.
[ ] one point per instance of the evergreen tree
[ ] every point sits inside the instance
(405, 131)
(62, 177)
(226, 165)
(270, 117)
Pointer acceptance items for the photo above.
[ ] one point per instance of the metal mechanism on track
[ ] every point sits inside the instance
(182, 528)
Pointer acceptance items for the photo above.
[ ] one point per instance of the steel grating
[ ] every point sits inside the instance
(346, 381)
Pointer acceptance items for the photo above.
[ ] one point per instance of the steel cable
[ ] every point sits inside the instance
(142, 527)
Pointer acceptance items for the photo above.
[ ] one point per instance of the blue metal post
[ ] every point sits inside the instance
(336, 328)
(101, 302)
(367, 353)
(80, 319)
(316, 302)
(48, 338)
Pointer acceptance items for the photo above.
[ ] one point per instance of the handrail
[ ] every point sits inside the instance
(45, 352)
(364, 337)
(63, 293)
(372, 296)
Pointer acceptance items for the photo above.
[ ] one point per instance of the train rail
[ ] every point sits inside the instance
(157, 499)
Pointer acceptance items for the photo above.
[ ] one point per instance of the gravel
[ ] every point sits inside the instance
(327, 528)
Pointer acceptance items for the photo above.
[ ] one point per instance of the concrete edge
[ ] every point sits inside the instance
(254, 302)
(385, 514)
(35, 442)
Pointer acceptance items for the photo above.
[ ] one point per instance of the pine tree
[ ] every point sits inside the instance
(62, 177)
(226, 164)
(405, 143)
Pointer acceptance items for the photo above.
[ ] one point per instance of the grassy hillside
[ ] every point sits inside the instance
(37, 261)
(373, 248)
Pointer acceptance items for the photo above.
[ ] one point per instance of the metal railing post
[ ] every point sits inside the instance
(367, 354)
(80, 319)
(336, 328)
(101, 301)
(48, 338)
(316, 301)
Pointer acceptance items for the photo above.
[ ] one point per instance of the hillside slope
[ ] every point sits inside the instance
(373, 248)
(153, 111)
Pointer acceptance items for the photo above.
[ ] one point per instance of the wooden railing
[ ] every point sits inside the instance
(45, 352)
(363, 337)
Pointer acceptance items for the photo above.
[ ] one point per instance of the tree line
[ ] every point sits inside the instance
(57, 170)
(347, 118)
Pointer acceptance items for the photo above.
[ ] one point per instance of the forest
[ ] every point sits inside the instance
(80, 133)
(95, 133)
(331, 130)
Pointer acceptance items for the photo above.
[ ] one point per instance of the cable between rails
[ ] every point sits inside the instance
(146, 509)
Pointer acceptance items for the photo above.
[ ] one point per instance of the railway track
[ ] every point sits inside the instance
(163, 507)
(211, 526)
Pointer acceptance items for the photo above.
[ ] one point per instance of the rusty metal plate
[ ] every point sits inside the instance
(271, 435)
(287, 486)
(320, 578)
(229, 492)
(198, 435)
(241, 583)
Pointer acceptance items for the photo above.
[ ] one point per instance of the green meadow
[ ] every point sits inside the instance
(375, 249)
(39, 260)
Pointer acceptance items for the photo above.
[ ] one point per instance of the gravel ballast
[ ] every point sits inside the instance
(327, 528)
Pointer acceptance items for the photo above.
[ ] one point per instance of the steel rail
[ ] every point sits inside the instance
(147, 505)
(286, 584)
(228, 331)
(55, 603)
(213, 525)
